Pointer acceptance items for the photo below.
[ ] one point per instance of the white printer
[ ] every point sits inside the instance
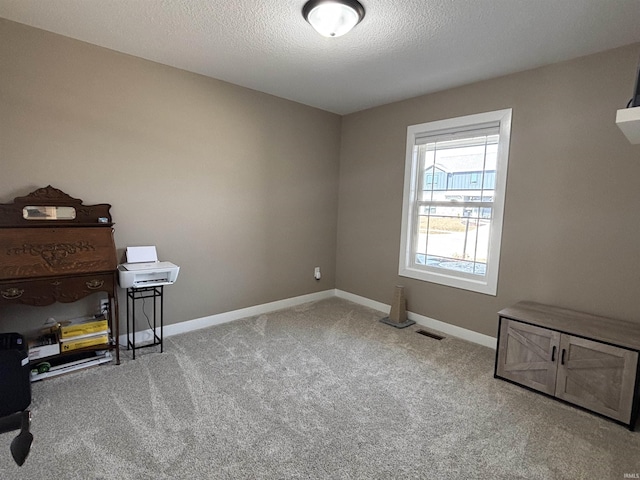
(144, 270)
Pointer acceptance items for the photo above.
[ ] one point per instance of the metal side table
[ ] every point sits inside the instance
(142, 294)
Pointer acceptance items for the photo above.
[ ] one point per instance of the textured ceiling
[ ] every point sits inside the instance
(402, 48)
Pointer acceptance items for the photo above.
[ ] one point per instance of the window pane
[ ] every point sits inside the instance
(454, 238)
(460, 171)
(427, 172)
(464, 167)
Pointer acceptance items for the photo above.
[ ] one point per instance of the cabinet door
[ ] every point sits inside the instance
(597, 376)
(528, 355)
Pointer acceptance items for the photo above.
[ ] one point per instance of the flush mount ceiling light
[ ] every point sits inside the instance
(333, 18)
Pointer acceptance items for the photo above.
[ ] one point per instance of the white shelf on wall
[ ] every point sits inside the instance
(628, 120)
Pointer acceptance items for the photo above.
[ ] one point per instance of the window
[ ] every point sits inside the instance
(454, 190)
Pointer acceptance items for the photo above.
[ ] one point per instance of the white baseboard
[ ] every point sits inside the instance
(225, 317)
(431, 323)
(367, 302)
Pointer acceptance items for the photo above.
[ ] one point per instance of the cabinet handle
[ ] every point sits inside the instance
(553, 354)
(562, 357)
(94, 284)
(11, 293)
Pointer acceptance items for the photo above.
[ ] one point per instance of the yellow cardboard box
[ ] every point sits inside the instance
(84, 328)
(85, 342)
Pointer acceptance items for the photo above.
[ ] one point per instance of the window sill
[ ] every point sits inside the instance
(485, 286)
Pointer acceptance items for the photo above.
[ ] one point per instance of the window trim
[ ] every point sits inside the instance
(489, 284)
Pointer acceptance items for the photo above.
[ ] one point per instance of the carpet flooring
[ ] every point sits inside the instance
(322, 390)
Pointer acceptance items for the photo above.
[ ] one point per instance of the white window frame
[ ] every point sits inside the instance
(487, 284)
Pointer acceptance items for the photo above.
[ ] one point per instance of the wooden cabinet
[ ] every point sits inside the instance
(53, 248)
(579, 358)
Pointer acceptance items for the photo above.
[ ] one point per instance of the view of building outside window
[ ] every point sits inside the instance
(455, 203)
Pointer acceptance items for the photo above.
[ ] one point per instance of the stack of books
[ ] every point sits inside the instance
(88, 333)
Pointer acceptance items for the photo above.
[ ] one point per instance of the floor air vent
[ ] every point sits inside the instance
(430, 334)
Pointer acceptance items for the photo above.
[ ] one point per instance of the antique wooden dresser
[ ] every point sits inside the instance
(55, 249)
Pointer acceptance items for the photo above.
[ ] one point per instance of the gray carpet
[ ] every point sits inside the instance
(323, 390)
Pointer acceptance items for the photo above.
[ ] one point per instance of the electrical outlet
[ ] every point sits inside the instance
(316, 273)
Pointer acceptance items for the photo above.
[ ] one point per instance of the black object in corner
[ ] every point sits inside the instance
(15, 381)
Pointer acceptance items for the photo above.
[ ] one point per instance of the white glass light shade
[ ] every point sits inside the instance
(333, 18)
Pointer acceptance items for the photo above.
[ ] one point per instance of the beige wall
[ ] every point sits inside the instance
(241, 189)
(571, 230)
(237, 187)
